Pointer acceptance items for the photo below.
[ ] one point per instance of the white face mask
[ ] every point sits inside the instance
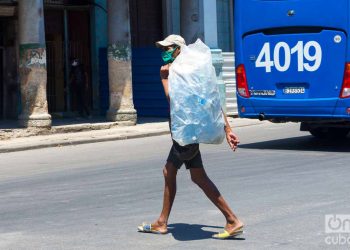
(74, 63)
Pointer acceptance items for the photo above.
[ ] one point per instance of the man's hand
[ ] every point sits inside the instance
(164, 71)
(232, 139)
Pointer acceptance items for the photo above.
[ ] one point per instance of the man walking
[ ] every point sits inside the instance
(190, 156)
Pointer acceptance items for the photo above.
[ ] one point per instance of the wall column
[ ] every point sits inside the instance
(32, 64)
(121, 107)
(199, 20)
(191, 20)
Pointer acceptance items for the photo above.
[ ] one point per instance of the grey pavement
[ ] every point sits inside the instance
(64, 133)
(280, 182)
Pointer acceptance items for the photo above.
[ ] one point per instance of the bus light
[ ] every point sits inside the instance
(242, 85)
(348, 111)
(345, 90)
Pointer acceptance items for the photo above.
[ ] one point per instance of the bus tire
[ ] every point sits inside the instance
(330, 133)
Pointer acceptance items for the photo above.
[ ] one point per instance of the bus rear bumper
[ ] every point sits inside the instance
(332, 109)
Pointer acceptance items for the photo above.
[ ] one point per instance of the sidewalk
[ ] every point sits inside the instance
(63, 133)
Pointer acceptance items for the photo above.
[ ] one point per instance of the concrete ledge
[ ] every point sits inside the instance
(61, 143)
(83, 134)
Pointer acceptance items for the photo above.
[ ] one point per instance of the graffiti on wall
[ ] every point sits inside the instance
(33, 77)
(32, 55)
(119, 51)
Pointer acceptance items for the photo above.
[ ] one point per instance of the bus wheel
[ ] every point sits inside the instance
(330, 133)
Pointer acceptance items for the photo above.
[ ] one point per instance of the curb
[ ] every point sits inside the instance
(87, 140)
(82, 141)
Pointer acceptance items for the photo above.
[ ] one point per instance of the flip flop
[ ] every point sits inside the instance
(147, 228)
(226, 235)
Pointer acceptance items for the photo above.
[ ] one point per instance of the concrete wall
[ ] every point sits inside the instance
(175, 16)
(98, 42)
(224, 25)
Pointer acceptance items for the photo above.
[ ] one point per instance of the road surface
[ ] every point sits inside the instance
(281, 182)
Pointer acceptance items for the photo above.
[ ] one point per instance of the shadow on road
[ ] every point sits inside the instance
(302, 143)
(190, 232)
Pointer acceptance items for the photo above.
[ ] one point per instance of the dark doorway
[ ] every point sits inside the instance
(54, 28)
(9, 81)
(1, 71)
(146, 22)
(64, 44)
(79, 47)
(146, 29)
(1, 84)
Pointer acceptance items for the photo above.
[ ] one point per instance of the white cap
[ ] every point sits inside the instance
(171, 40)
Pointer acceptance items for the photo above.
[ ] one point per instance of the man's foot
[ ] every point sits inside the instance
(231, 230)
(159, 228)
(234, 226)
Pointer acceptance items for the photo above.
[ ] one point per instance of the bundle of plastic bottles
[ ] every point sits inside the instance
(195, 108)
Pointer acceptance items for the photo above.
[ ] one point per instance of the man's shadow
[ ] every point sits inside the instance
(190, 232)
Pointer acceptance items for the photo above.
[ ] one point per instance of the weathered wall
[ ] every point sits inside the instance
(33, 74)
(119, 63)
(32, 64)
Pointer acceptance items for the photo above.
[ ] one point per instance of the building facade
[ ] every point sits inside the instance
(113, 39)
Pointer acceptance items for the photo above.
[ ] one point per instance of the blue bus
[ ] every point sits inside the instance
(293, 63)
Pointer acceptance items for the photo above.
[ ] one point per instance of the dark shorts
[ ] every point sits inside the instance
(188, 155)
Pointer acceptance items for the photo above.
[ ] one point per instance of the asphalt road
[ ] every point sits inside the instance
(280, 182)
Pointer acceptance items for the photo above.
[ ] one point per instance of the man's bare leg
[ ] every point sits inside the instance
(170, 172)
(199, 176)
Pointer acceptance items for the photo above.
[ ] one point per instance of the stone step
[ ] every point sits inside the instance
(230, 81)
(230, 85)
(229, 63)
(228, 54)
(231, 91)
(229, 76)
(228, 68)
(225, 72)
(232, 107)
(231, 98)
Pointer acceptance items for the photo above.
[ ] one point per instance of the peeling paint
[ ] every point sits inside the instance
(32, 55)
(120, 92)
(33, 76)
(119, 51)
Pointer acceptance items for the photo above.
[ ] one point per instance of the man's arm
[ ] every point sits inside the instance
(232, 139)
(164, 73)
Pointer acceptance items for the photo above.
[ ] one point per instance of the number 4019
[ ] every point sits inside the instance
(303, 53)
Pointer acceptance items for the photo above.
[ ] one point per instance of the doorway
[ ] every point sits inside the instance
(79, 47)
(1, 84)
(67, 37)
(147, 28)
(55, 60)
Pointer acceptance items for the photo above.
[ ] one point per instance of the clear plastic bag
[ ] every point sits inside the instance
(195, 108)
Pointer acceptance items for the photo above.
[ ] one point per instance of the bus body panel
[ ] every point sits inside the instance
(294, 53)
(255, 15)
